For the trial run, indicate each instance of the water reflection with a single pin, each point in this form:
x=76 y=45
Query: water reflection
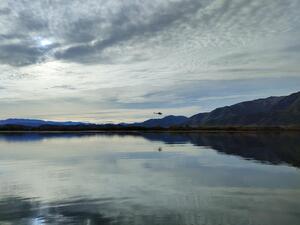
x=273 y=148
x=27 y=211
x=150 y=178
x=17 y=211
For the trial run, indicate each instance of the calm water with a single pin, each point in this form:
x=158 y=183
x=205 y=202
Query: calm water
x=137 y=179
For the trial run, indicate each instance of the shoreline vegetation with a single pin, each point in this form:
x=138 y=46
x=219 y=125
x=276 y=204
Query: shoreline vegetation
x=115 y=128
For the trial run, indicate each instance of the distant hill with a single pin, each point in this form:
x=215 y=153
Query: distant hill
x=266 y=112
x=36 y=123
x=167 y=121
x=272 y=111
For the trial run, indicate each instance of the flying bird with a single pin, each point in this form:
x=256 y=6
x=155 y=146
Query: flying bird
x=158 y=113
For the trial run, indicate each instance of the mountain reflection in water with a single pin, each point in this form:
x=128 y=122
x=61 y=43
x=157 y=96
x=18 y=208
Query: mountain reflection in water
x=150 y=178
x=273 y=148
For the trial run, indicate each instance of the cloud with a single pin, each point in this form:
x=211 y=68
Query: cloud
x=83 y=31
x=100 y=54
x=19 y=54
x=4 y=11
x=65 y=87
x=128 y=24
x=208 y=94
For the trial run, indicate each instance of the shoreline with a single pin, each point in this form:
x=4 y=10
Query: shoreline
x=145 y=130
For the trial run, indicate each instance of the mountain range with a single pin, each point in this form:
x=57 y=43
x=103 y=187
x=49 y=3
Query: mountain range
x=37 y=123
x=163 y=122
x=271 y=111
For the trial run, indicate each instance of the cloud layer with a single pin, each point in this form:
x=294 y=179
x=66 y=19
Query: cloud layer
x=136 y=55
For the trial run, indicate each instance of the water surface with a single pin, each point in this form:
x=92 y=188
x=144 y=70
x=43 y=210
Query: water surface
x=150 y=178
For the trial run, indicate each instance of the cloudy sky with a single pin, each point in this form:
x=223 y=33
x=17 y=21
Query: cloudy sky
x=113 y=60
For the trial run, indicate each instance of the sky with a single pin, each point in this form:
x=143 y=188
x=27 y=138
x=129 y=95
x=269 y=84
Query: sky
x=120 y=61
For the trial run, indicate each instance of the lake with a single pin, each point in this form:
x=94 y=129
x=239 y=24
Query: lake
x=150 y=178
